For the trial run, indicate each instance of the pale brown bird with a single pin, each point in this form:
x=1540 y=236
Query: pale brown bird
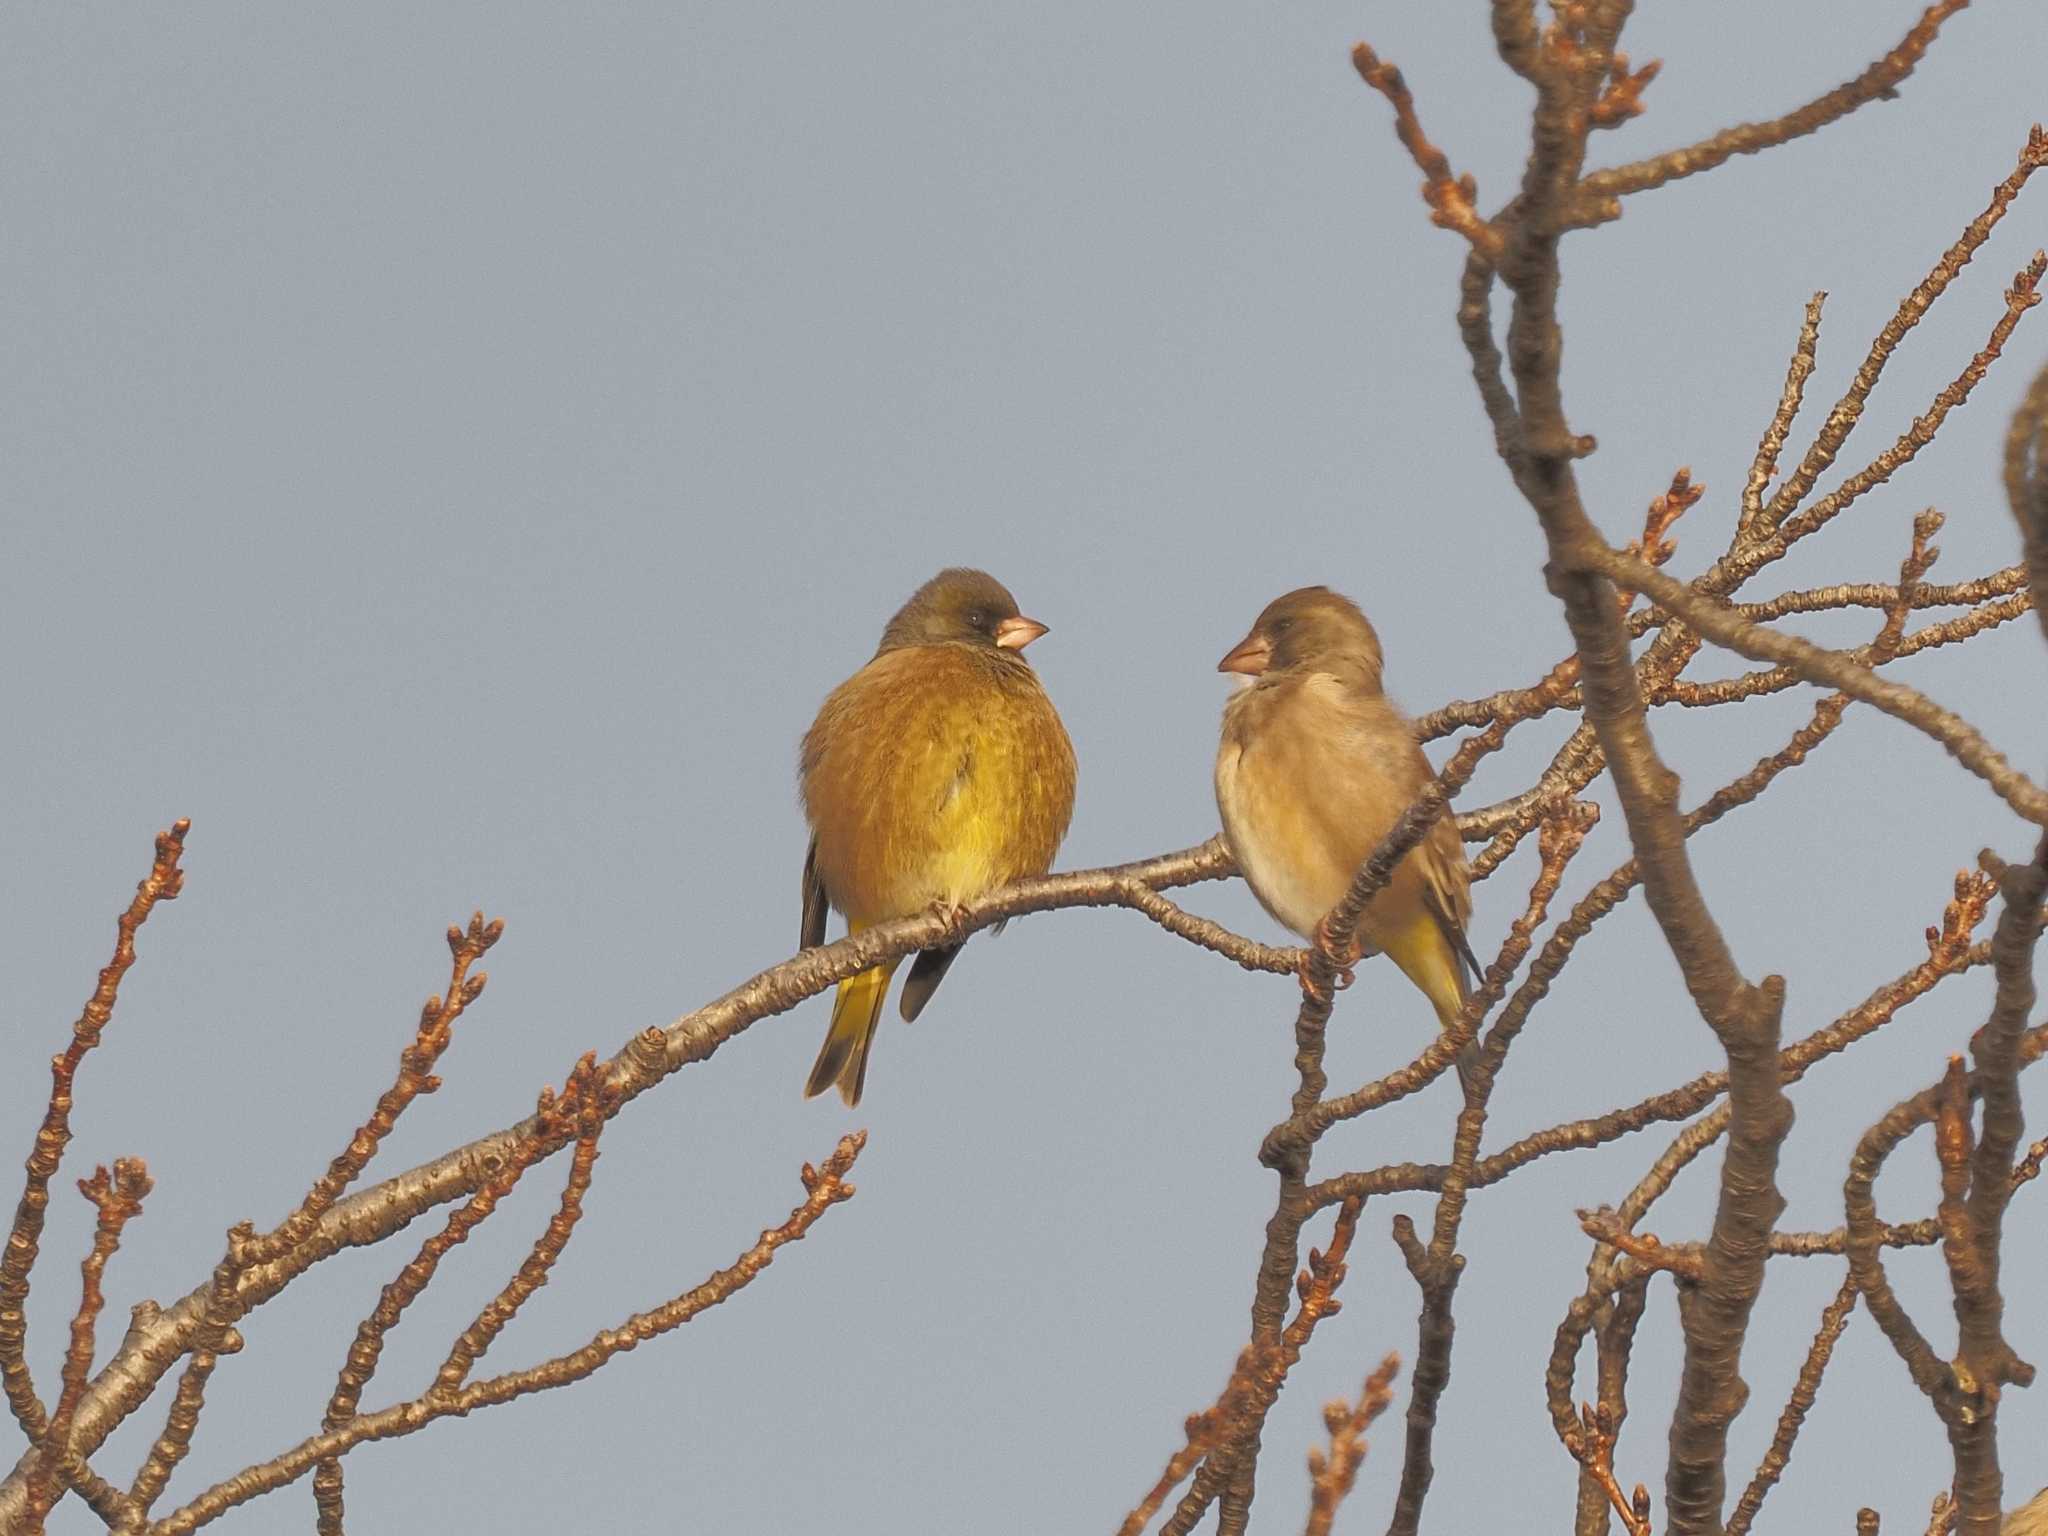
x=1315 y=767
x=2030 y=1519
x=934 y=774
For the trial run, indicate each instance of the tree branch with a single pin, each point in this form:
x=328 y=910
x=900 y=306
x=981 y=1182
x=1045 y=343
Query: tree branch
x=1725 y=627
x=1600 y=193
x=163 y=882
x=823 y=1188
x=118 y=1199
x=158 y=1340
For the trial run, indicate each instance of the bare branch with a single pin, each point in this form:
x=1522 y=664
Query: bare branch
x=1531 y=703
x=1436 y=1271
x=1224 y=1430
x=224 y=1305
x=589 y=1105
x=1797 y=372
x=1833 y=1319
x=1582 y=83
x=1687 y=1262
x=1452 y=199
x=1949 y=953
x=1756 y=685
x=1975 y=1191
x=1745 y=1018
x=823 y=1188
x=370 y=1215
x=2022 y=296
x=1563 y=836
x=557 y=1118
x=1603 y=189
x=1964 y=1394
x=1332 y=1474
x=118 y=1199
x=1614 y=1332
x=416 y=1064
x=163 y=882
x=1435 y=1329
x=1593 y=1447
x=1721 y=625
x=1200 y=1432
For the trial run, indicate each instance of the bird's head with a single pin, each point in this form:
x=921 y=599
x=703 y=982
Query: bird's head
x=962 y=607
x=1311 y=626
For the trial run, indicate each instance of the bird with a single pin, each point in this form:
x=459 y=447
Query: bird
x=2030 y=1519
x=936 y=773
x=1314 y=767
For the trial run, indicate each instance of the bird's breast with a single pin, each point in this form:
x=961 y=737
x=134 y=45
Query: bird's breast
x=934 y=779
x=1273 y=833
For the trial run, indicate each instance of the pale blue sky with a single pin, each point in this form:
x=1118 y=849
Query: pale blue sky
x=450 y=451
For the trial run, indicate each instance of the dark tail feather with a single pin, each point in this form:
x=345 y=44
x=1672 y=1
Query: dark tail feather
x=1468 y=1065
x=926 y=972
x=1467 y=968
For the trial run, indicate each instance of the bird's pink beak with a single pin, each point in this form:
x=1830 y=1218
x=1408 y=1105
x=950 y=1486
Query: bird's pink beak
x=1253 y=655
x=1014 y=634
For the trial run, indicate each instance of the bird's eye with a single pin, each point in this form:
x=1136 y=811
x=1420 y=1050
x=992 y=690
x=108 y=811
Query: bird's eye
x=1280 y=625
x=979 y=618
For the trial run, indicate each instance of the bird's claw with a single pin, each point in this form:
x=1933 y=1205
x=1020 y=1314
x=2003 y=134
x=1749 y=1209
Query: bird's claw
x=1343 y=978
x=952 y=913
x=1326 y=945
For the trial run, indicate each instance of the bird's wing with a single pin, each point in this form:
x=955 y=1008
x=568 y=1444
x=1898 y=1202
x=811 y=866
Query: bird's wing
x=1380 y=750
x=1447 y=889
x=814 y=901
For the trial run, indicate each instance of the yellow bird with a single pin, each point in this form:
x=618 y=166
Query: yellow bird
x=1315 y=767
x=934 y=774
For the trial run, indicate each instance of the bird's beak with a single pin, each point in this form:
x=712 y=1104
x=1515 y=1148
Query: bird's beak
x=1253 y=655
x=1014 y=634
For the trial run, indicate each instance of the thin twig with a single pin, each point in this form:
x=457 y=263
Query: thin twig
x=824 y=1188
x=369 y=1215
x=1256 y=1378
x=1805 y=1389
x=1599 y=193
x=118 y=1200
x=225 y=1305
x=416 y=1063
x=589 y=1106
x=163 y=882
x=2022 y=296
x=1686 y=1262
x=1593 y=1447
x=1723 y=626
x=557 y=1117
x=1436 y=1270
x=1797 y=372
x=1332 y=1474
x=1950 y=953
x=1453 y=199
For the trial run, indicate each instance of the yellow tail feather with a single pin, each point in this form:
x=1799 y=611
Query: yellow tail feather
x=1427 y=959
x=843 y=1058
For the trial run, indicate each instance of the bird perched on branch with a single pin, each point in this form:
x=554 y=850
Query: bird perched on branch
x=1314 y=769
x=934 y=774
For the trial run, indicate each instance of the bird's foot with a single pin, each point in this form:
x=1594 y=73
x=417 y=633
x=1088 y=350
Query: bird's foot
x=952 y=913
x=1328 y=946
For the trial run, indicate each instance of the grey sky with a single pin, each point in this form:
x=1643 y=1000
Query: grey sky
x=451 y=450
